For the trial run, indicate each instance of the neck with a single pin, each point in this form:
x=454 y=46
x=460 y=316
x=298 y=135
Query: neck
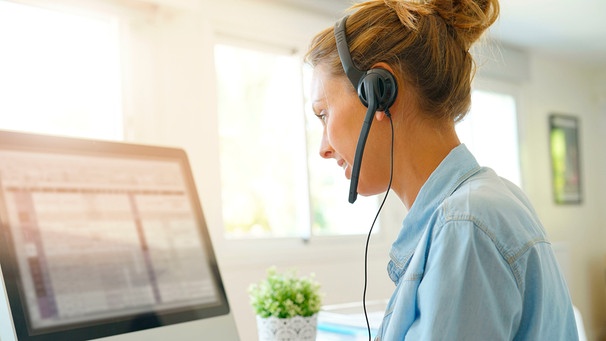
x=419 y=151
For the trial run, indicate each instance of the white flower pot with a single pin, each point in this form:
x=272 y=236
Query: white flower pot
x=297 y=328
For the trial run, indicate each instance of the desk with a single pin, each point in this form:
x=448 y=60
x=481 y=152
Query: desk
x=346 y=322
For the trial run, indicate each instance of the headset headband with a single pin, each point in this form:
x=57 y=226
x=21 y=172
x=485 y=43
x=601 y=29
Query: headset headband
x=353 y=73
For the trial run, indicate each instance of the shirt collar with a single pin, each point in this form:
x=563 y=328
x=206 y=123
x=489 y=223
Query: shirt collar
x=456 y=167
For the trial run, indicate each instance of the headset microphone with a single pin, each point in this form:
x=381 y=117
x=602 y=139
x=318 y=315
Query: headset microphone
x=377 y=89
x=355 y=172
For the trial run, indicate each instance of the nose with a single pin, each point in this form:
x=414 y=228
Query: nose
x=326 y=150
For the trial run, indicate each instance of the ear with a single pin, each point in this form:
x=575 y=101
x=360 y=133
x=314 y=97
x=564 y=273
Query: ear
x=383 y=65
x=380 y=115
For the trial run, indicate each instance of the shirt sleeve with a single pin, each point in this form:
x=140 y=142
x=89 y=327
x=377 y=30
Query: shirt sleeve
x=468 y=291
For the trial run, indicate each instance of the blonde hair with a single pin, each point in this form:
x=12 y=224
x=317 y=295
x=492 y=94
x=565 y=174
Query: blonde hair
x=426 y=43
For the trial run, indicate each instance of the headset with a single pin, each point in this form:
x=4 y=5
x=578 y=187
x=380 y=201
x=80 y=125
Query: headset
x=377 y=89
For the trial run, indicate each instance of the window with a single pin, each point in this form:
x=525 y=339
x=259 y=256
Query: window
x=60 y=73
x=265 y=157
x=260 y=115
x=490 y=132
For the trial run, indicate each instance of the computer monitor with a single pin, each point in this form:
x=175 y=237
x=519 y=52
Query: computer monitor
x=100 y=239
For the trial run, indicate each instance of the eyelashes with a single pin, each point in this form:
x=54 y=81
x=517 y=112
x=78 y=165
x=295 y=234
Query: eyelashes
x=322 y=117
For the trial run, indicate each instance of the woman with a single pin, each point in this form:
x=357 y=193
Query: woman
x=472 y=261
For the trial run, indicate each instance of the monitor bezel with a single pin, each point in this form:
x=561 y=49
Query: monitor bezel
x=27 y=142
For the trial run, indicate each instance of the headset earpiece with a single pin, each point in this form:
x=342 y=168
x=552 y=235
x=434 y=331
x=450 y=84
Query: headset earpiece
x=384 y=88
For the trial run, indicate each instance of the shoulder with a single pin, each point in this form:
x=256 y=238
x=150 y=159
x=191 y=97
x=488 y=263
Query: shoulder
x=495 y=207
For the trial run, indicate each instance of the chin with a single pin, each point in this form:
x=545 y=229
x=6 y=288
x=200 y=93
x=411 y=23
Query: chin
x=367 y=192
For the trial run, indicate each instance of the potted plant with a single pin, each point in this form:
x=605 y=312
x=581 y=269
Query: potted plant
x=286 y=306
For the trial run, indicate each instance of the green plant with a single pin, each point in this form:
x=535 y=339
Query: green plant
x=285 y=295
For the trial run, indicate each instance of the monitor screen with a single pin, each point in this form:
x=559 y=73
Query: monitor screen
x=101 y=238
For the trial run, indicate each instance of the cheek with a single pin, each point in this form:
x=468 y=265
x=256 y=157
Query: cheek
x=343 y=138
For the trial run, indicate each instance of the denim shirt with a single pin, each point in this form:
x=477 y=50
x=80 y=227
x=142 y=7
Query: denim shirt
x=472 y=262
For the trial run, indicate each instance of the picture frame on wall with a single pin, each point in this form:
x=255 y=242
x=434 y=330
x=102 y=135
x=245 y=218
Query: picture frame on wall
x=565 y=158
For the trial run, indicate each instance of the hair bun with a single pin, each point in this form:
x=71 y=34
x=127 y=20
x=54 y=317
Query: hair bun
x=470 y=18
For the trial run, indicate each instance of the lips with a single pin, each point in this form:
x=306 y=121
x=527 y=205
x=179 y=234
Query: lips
x=343 y=165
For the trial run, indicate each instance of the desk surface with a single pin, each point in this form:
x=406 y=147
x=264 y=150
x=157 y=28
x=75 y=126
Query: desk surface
x=346 y=322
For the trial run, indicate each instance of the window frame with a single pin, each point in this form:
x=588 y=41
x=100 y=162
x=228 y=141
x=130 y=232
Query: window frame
x=290 y=244
x=315 y=248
